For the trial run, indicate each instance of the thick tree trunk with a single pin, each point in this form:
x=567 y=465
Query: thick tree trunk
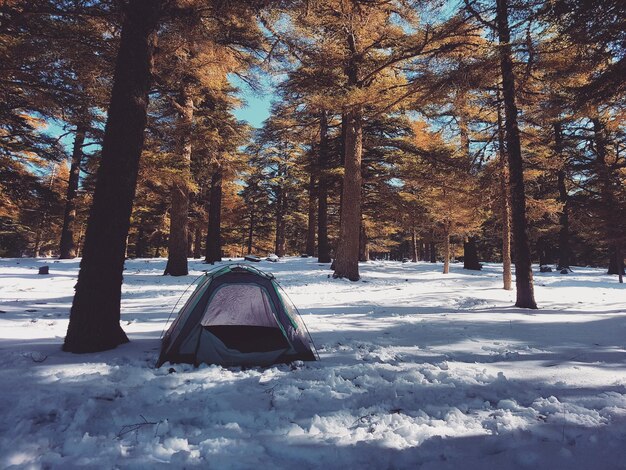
x=505 y=210
x=470 y=255
x=67 y=248
x=179 y=211
x=523 y=267
x=214 y=233
x=323 y=247
x=279 y=246
x=95 y=315
x=347 y=260
x=446 y=249
x=609 y=207
x=364 y=251
x=177 y=241
x=312 y=217
x=545 y=251
x=342 y=156
x=564 y=248
x=197 y=241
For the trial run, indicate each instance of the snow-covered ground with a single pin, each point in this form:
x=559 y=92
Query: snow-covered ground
x=418 y=370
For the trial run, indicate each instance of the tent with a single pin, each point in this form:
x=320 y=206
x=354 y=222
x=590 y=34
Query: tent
x=237 y=316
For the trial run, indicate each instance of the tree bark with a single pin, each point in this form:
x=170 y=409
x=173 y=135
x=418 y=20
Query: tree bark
x=564 y=248
x=347 y=260
x=342 y=163
x=279 y=247
x=323 y=247
x=140 y=243
x=446 y=248
x=190 y=242
x=197 y=241
x=609 y=207
x=470 y=255
x=95 y=315
x=179 y=211
x=251 y=228
x=523 y=267
x=67 y=247
x=38 y=232
x=432 y=248
x=312 y=216
x=214 y=233
x=158 y=239
x=505 y=209
x=414 y=246
x=364 y=251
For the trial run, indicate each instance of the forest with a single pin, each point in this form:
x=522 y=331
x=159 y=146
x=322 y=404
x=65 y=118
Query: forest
x=475 y=130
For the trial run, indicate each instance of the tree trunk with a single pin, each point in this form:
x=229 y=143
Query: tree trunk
x=67 y=246
x=190 y=242
x=609 y=207
x=79 y=242
x=446 y=249
x=323 y=247
x=342 y=157
x=432 y=247
x=158 y=239
x=214 y=233
x=95 y=315
x=38 y=232
x=564 y=248
x=470 y=255
x=251 y=232
x=197 y=241
x=281 y=200
x=414 y=246
x=505 y=210
x=364 y=251
x=347 y=260
x=179 y=212
x=177 y=241
x=523 y=267
x=140 y=243
x=312 y=217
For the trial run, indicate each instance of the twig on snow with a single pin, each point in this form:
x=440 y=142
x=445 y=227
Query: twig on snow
x=135 y=427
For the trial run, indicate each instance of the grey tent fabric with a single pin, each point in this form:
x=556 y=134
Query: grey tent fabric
x=237 y=316
x=240 y=304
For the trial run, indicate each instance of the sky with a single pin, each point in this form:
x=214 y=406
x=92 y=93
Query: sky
x=257 y=104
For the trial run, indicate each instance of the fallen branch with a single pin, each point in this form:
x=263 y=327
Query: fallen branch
x=134 y=427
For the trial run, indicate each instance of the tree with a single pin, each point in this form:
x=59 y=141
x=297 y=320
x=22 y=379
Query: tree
x=95 y=314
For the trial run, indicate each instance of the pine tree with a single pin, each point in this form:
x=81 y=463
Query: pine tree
x=95 y=315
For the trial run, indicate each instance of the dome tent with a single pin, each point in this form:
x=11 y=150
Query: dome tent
x=237 y=316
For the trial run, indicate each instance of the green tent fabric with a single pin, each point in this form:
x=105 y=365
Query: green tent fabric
x=237 y=316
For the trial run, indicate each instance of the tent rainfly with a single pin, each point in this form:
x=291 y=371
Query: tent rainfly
x=237 y=316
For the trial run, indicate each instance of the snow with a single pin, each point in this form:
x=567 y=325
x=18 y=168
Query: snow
x=418 y=370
